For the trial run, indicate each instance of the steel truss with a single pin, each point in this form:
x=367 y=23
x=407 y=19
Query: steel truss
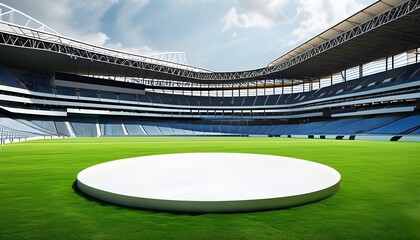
x=192 y=86
x=30 y=38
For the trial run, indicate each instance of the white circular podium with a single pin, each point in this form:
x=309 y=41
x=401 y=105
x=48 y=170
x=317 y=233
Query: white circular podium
x=209 y=182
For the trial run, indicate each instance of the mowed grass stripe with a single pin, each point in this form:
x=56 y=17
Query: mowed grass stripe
x=379 y=196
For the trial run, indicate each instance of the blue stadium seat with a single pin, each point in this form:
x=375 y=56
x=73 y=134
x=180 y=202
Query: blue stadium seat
x=151 y=130
x=111 y=128
x=399 y=126
x=84 y=127
x=134 y=128
x=365 y=125
x=7 y=80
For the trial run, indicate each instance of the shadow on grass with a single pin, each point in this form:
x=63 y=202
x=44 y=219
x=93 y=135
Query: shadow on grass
x=84 y=195
x=122 y=207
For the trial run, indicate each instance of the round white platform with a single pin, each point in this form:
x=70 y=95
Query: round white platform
x=209 y=182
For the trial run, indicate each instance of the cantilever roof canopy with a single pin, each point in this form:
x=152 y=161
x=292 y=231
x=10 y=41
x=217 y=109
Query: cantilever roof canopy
x=385 y=28
x=395 y=37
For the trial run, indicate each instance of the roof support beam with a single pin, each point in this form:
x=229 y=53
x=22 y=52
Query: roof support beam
x=33 y=39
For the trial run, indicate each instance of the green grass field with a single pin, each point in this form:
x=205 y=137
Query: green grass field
x=379 y=196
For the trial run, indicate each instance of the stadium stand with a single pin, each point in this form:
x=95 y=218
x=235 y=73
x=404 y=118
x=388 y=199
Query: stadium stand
x=84 y=127
x=87 y=127
x=134 y=128
x=128 y=97
x=111 y=128
x=151 y=129
x=7 y=80
x=62 y=128
x=400 y=126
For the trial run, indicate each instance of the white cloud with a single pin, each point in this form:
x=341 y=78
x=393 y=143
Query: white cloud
x=127 y=28
x=99 y=38
x=66 y=16
x=78 y=19
x=252 y=19
x=315 y=16
x=129 y=9
x=261 y=13
x=272 y=9
x=142 y=50
x=81 y=19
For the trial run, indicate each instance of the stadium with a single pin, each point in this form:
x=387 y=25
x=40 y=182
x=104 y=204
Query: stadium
x=348 y=98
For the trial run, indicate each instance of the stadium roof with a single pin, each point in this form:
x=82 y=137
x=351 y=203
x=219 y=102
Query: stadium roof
x=395 y=37
x=385 y=28
x=347 y=24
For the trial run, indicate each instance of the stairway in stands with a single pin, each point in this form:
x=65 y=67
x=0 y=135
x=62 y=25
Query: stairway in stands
x=408 y=131
x=34 y=126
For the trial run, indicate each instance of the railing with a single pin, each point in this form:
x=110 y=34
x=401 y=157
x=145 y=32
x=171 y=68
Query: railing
x=31 y=38
x=9 y=135
x=76 y=46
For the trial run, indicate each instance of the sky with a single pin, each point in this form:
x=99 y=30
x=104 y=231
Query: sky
x=219 y=35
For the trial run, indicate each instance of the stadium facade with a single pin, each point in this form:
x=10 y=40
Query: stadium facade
x=359 y=79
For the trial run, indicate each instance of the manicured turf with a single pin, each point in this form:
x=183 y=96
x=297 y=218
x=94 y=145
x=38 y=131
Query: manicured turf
x=379 y=196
